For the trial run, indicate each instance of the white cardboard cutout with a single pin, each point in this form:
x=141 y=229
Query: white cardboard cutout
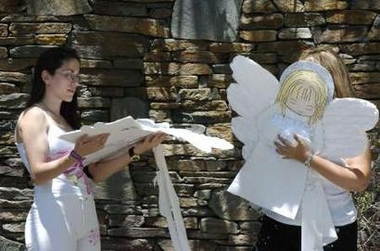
x=283 y=185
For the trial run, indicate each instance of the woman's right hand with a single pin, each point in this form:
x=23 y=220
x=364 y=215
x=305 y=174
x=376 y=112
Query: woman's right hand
x=149 y=142
x=86 y=145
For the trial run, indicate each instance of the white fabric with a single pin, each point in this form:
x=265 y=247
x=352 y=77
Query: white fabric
x=283 y=186
x=169 y=203
x=317 y=227
x=168 y=200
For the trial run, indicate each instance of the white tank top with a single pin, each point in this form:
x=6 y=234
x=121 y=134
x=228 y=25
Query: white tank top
x=72 y=181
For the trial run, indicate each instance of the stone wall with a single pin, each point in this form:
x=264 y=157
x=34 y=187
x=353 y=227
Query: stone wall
x=133 y=64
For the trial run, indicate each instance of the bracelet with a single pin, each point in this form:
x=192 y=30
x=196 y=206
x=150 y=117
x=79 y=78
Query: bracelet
x=308 y=160
x=77 y=157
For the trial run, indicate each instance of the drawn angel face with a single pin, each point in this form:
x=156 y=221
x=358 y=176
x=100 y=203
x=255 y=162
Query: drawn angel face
x=302 y=101
x=304 y=93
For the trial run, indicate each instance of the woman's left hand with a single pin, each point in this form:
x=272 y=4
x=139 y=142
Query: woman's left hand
x=299 y=150
x=149 y=142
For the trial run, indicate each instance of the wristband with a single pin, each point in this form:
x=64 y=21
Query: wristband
x=308 y=160
x=77 y=157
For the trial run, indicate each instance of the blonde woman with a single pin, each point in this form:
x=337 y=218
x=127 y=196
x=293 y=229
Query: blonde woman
x=339 y=177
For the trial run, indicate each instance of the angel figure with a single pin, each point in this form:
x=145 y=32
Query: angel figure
x=304 y=151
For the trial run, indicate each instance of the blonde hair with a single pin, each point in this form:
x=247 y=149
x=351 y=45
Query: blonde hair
x=298 y=81
x=335 y=65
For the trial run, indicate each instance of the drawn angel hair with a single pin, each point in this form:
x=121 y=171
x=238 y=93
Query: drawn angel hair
x=305 y=98
x=301 y=103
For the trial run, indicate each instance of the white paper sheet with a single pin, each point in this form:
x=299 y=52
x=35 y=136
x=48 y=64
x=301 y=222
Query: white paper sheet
x=127 y=131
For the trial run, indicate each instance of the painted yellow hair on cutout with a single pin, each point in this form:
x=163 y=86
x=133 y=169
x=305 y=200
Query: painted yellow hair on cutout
x=299 y=80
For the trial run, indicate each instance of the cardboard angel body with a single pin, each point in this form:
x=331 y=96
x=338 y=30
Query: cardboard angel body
x=300 y=103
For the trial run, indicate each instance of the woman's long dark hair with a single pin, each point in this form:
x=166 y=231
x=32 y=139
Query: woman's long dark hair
x=50 y=60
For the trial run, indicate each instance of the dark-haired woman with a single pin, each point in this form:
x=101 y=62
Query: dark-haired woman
x=63 y=215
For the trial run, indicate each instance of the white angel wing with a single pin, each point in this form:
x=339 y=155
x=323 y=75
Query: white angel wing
x=254 y=91
x=345 y=122
x=245 y=129
x=256 y=87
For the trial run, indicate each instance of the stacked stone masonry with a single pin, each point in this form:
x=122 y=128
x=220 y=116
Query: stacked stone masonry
x=132 y=64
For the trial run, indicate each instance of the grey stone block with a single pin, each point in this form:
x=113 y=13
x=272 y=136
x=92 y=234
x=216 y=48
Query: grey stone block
x=215 y=20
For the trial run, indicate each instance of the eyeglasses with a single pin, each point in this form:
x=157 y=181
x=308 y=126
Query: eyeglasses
x=70 y=76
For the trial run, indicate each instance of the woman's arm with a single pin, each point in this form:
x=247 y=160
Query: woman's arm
x=33 y=127
x=100 y=171
x=353 y=177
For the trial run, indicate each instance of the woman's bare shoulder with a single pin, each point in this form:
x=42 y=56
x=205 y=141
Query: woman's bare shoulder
x=32 y=117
